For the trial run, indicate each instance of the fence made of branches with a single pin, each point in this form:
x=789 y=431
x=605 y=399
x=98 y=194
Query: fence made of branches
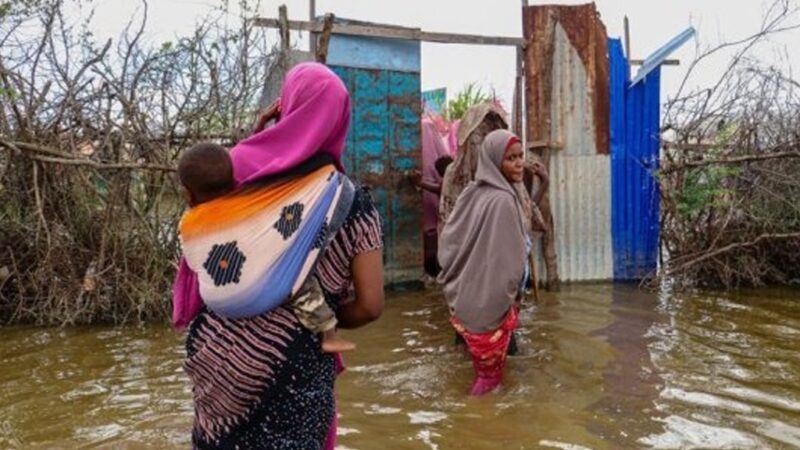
x=89 y=135
x=729 y=186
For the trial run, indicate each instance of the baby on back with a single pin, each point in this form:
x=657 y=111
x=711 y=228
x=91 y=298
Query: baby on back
x=206 y=174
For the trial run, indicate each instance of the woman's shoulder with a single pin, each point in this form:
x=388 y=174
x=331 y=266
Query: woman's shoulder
x=363 y=227
x=363 y=204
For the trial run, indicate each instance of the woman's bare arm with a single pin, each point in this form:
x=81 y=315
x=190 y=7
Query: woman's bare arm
x=367 y=271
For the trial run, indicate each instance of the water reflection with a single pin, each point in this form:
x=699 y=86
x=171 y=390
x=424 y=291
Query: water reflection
x=627 y=412
x=600 y=366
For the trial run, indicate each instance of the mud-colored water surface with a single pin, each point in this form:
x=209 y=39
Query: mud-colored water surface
x=600 y=366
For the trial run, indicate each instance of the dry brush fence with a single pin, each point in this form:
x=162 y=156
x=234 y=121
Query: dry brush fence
x=89 y=135
x=729 y=180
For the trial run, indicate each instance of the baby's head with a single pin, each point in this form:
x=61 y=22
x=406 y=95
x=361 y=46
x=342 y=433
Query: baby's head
x=206 y=172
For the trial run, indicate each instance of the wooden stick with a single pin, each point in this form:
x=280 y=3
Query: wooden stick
x=312 y=17
x=534 y=276
x=283 y=27
x=57 y=157
x=666 y=62
x=731 y=160
x=626 y=24
x=324 y=39
x=413 y=34
x=731 y=247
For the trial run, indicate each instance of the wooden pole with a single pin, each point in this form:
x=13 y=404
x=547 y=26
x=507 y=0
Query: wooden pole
x=522 y=82
x=521 y=111
x=324 y=39
x=312 y=16
x=413 y=34
x=283 y=27
x=628 y=44
x=517 y=105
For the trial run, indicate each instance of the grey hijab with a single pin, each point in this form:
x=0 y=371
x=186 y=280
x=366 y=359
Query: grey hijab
x=482 y=245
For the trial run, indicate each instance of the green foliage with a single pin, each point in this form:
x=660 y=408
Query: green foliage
x=469 y=96
x=704 y=188
x=18 y=8
x=8 y=92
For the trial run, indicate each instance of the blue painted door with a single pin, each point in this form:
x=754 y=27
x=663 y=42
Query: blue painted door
x=382 y=146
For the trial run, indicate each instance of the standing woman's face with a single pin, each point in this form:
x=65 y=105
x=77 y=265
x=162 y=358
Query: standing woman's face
x=513 y=168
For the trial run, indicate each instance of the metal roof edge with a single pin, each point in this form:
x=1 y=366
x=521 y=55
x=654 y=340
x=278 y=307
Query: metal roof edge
x=657 y=57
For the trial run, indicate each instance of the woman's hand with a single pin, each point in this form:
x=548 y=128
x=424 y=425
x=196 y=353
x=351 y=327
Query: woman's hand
x=273 y=112
x=540 y=171
x=415 y=177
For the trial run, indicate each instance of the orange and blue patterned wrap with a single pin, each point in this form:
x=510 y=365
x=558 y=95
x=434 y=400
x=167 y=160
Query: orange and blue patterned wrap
x=253 y=249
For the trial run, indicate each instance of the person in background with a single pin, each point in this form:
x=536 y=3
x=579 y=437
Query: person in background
x=483 y=252
x=478 y=121
x=262 y=381
x=434 y=157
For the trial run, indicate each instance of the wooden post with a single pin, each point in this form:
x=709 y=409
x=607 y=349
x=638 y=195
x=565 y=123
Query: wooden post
x=517 y=105
x=312 y=16
x=523 y=110
x=413 y=34
x=521 y=124
x=324 y=39
x=548 y=239
x=628 y=45
x=283 y=27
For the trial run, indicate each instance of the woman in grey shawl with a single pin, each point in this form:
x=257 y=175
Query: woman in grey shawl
x=483 y=252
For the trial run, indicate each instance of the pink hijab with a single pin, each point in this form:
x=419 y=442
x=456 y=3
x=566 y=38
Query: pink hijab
x=315 y=117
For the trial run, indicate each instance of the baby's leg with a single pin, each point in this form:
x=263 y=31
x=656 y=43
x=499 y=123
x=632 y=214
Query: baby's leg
x=314 y=313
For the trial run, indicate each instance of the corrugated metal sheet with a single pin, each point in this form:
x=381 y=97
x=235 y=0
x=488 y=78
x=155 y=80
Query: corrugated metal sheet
x=635 y=123
x=580 y=189
x=580 y=192
x=567 y=99
x=572 y=106
x=383 y=144
x=579 y=26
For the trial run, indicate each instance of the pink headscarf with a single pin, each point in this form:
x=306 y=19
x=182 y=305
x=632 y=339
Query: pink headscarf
x=315 y=117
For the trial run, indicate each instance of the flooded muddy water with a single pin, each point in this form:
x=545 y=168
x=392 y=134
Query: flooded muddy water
x=600 y=366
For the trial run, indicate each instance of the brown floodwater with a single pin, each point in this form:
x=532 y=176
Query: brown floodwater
x=600 y=367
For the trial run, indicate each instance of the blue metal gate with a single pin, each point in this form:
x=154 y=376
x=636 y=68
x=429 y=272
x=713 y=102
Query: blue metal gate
x=635 y=122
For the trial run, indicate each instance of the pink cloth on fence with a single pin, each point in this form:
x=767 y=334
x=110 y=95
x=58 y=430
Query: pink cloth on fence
x=433 y=148
x=452 y=138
